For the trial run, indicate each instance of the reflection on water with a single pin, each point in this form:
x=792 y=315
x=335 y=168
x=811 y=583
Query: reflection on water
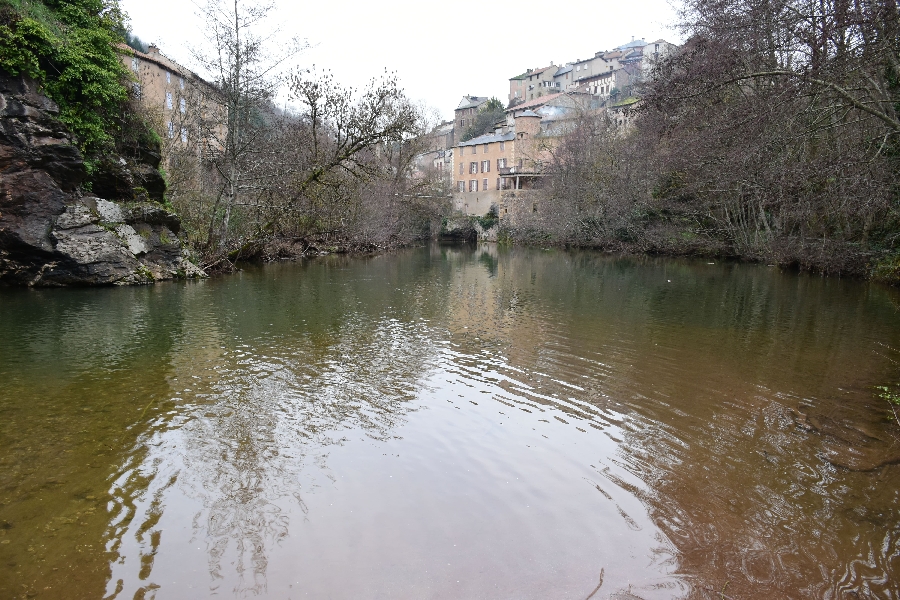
x=452 y=423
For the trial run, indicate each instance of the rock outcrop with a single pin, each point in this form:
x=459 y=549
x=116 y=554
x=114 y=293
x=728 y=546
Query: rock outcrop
x=52 y=233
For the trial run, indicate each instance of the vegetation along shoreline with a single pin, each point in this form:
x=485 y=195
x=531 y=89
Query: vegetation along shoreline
x=770 y=135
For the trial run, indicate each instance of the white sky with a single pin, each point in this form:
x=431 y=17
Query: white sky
x=440 y=50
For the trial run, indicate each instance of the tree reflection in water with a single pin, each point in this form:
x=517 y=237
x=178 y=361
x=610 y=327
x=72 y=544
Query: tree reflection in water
x=272 y=413
x=682 y=426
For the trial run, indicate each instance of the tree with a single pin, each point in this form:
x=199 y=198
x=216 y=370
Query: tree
x=489 y=114
x=69 y=48
x=247 y=74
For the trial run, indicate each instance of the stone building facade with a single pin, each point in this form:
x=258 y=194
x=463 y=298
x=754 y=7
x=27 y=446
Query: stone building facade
x=178 y=99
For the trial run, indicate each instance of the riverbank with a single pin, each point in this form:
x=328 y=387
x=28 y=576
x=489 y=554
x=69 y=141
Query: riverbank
x=666 y=240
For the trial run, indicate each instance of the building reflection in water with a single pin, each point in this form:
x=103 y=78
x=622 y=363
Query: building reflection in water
x=442 y=422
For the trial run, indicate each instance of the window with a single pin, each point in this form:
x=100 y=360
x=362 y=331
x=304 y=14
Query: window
x=460 y=151
x=501 y=163
x=181 y=82
x=461 y=167
x=520 y=163
x=485 y=149
x=134 y=65
x=485 y=186
x=473 y=167
x=171 y=129
x=474 y=149
x=169 y=100
x=485 y=166
x=499 y=184
x=440 y=166
x=502 y=145
x=184 y=135
x=182 y=105
x=168 y=77
x=473 y=185
x=136 y=88
x=578 y=68
x=461 y=186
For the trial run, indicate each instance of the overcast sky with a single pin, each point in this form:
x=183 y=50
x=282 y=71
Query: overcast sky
x=440 y=50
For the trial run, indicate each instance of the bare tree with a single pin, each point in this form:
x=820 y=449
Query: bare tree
x=247 y=73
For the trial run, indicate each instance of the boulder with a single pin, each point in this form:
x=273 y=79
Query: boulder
x=51 y=233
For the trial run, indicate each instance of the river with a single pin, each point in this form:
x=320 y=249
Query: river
x=453 y=422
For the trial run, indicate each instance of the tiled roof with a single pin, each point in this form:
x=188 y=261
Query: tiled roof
x=588 y=78
x=534 y=103
x=490 y=137
x=533 y=72
x=163 y=61
x=632 y=44
x=563 y=70
x=471 y=102
x=529 y=113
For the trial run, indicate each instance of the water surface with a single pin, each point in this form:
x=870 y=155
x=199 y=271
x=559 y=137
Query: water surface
x=453 y=422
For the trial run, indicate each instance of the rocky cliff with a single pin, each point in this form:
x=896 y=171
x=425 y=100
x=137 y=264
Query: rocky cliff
x=51 y=232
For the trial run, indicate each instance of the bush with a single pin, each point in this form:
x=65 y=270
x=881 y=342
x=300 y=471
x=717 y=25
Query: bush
x=68 y=47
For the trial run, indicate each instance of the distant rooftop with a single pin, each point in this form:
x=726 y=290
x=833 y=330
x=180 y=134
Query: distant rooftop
x=534 y=103
x=632 y=44
x=490 y=137
x=471 y=102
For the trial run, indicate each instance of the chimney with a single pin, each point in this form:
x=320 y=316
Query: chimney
x=152 y=49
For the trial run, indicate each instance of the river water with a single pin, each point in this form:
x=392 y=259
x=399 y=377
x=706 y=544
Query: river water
x=453 y=422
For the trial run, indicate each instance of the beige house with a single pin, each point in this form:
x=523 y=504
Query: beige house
x=171 y=92
x=507 y=159
x=533 y=83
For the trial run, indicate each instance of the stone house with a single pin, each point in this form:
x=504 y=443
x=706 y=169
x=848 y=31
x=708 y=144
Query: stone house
x=564 y=77
x=465 y=113
x=436 y=156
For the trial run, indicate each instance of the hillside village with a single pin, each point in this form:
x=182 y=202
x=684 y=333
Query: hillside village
x=542 y=105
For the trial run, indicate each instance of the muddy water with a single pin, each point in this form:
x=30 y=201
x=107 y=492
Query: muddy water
x=453 y=423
